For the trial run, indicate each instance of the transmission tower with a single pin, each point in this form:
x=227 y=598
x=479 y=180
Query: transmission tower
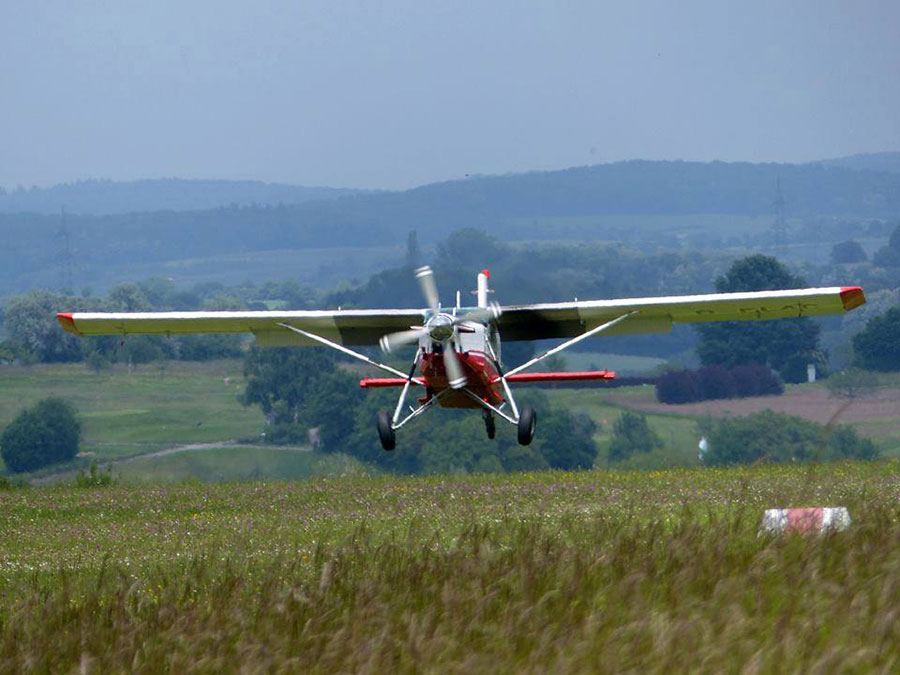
x=779 y=227
x=64 y=255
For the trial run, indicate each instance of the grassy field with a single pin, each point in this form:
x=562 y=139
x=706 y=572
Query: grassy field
x=160 y=406
x=236 y=463
x=124 y=413
x=594 y=571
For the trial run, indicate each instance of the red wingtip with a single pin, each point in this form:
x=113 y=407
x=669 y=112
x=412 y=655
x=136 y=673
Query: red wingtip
x=67 y=322
x=852 y=297
x=486 y=273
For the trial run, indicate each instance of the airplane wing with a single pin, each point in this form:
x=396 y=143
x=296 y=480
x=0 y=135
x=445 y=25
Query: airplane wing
x=517 y=322
x=656 y=315
x=345 y=327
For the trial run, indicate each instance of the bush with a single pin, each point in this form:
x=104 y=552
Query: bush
x=678 y=386
x=95 y=477
x=12 y=483
x=632 y=434
x=775 y=437
x=716 y=382
x=42 y=435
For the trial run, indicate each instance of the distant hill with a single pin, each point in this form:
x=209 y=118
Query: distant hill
x=611 y=202
x=872 y=161
x=105 y=197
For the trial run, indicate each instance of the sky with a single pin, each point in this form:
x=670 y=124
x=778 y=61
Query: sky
x=396 y=93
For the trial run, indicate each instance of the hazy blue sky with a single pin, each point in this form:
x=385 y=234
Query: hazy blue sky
x=394 y=94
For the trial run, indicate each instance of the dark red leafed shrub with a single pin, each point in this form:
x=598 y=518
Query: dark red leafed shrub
x=716 y=382
x=679 y=386
x=756 y=380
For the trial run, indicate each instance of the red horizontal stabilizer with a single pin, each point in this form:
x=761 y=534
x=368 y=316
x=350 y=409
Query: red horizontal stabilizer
x=378 y=382
x=562 y=377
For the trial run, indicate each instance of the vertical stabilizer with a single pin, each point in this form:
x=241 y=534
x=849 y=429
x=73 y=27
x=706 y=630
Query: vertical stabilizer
x=483 y=291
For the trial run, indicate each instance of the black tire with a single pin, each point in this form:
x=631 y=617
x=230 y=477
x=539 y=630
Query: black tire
x=385 y=430
x=527 y=422
x=491 y=427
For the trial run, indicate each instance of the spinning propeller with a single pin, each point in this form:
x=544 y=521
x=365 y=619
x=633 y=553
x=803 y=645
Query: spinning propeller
x=441 y=328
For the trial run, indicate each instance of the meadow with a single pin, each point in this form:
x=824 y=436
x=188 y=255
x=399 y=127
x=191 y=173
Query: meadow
x=127 y=414
x=150 y=407
x=593 y=571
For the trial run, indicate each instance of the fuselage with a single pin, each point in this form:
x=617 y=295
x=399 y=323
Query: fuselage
x=481 y=374
x=474 y=344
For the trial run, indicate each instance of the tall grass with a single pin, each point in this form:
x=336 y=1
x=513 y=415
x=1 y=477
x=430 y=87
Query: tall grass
x=606 y=572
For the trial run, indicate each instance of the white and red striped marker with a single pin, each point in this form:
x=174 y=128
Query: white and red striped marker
x=804 y=520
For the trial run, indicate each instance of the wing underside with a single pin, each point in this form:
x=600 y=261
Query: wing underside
x=346 y=327
x=657 y=315
x=517 y=322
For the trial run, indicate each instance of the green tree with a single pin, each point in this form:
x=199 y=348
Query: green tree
x=299 y=389
x=877 y=346
x=889 y=256
x=30 y=320
x=129 y=297
x=632 y=434
x=785 y=345
x=848 y=251
x=775 y=437
x=455 y=440
x=44 y=434
x=567 y=439
x=852 y=383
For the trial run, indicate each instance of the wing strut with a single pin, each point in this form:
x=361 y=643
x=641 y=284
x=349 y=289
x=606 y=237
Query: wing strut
x=568 y=343
x=349 y=352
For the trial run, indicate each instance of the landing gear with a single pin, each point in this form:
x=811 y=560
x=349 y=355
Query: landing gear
x=385 y=430
x=490 y=425
x=527 y=420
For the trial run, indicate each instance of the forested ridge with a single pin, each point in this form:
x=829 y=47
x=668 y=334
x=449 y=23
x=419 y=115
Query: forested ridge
x=509 y=207
x=104 y=197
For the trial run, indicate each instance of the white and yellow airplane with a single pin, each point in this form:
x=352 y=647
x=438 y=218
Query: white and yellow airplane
x=458 y=349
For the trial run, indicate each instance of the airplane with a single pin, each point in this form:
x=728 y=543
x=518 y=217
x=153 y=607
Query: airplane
x=458 y=349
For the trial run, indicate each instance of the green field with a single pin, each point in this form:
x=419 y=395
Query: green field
x=237 y=463
x=165 y=405
x=594 y=571
x=124 y=413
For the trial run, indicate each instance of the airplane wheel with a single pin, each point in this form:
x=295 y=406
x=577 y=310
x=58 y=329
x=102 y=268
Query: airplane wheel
x=527 y=420
x=490 y=426
x=385 y=430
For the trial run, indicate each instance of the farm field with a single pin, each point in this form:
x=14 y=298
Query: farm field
x=599 y=570
x=876 y=415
